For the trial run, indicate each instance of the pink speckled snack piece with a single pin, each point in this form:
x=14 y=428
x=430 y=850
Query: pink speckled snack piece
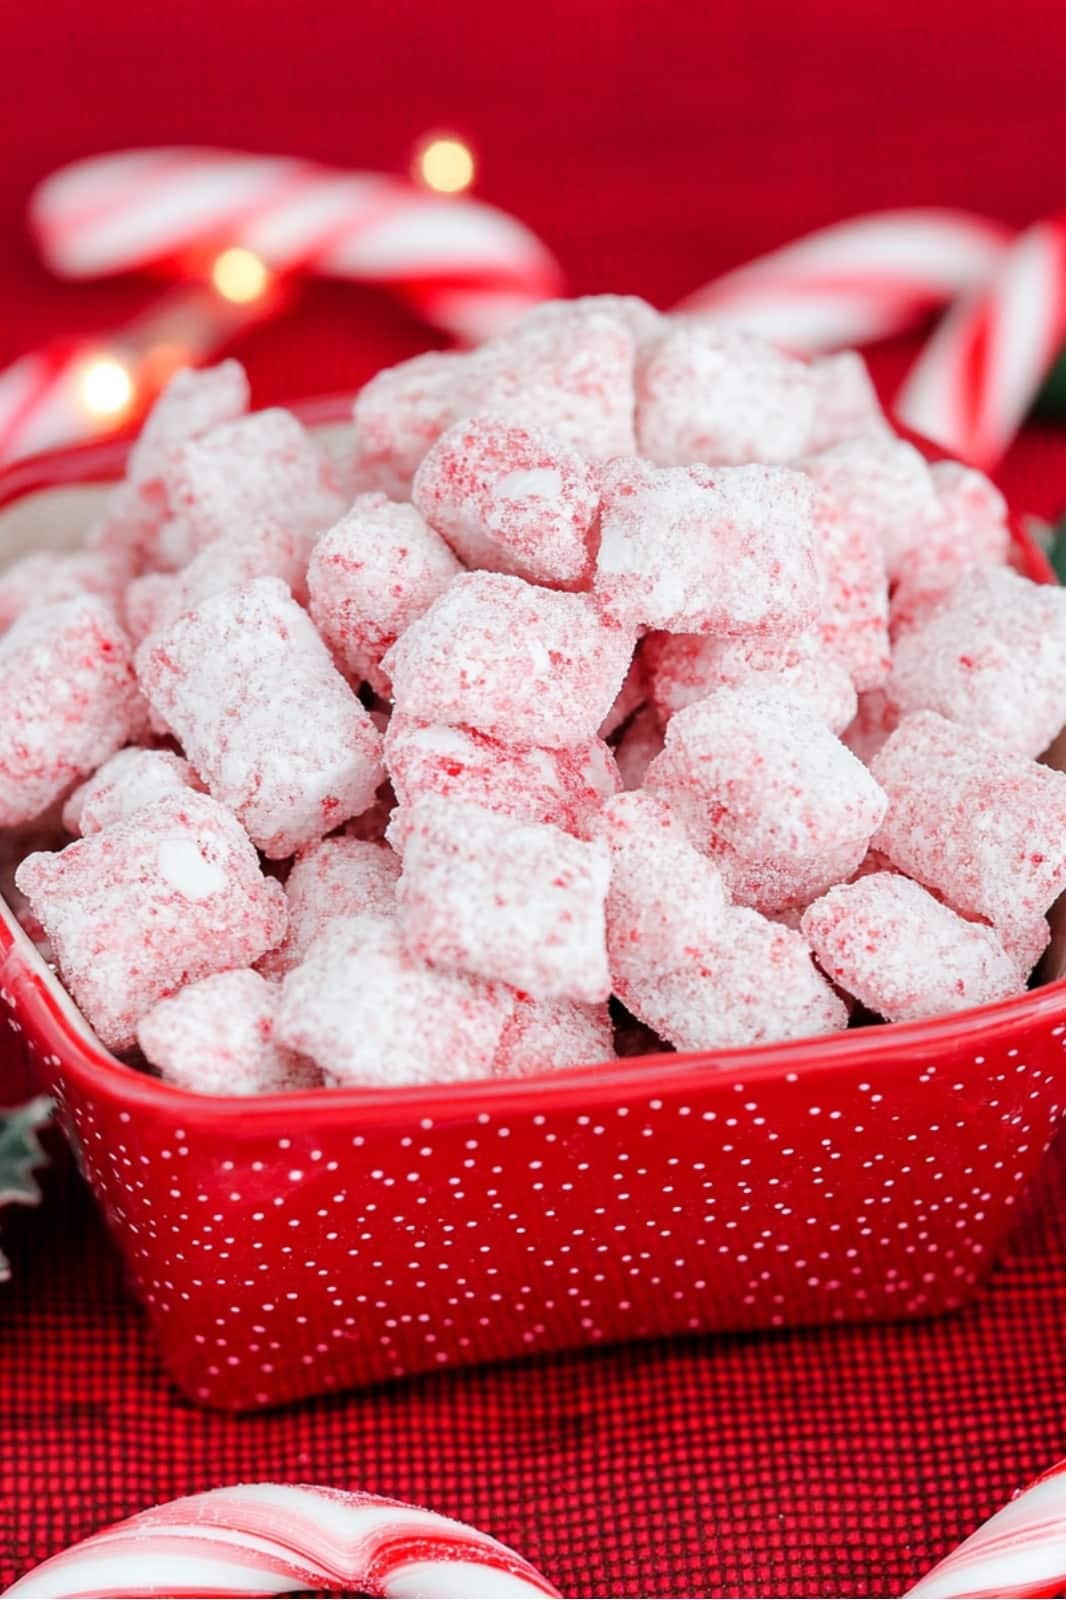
x=992 y=656
x=631 y=696
x=641 y=742
x=686 y=667
x=700 y=973
x=716 y=395
x=259 y=471
x=147 y=602
x=217 y=1037
x=369 y=1012
x=702 y=550
x=525 y=783
x=370 y=577
x=764 y=787
x=401 y=412
x=129 y=780
x=189 y=405
x=567 y=367
x=264 y=716
x=550 y=1035
x=845 y=401
x=517 y=902
x=340 y=877
x=139 y=910
x=981 y=826
x=874 y=720
x=510 y=499
x=523 y=664
x=882 y=485
x=903 y=954
x=68 y=701
x=45 y=578
x=966 y=528
x=157 y=599
x=853 y=621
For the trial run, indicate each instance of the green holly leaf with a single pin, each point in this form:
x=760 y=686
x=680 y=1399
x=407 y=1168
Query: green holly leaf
x=1051 y=401
x=20 y=1153
x=1057 y=549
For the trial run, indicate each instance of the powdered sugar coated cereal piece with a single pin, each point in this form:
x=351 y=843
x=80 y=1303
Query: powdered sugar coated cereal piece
x=401 y=412
x=68 y=701
x=370 y=576
x=518 y=902
x=147 y=602
x=845 y=401
x=874 y=720
x=991 y=656
x=631 y=696
x=157 y=599
x=701 y=973
x=685 y=667
x=160 y=900
x=566 y=366
x=854 y=617
x=44 y=578
x=261 y=470
x=369 y=1012
x=266 y=719
x=340 y=877
x=720 y=396
x=903 y=954
x=966 y=528
x=510 y=499
x=523 y=664
x=191 y=404
x=217 y=1037
x=641 y=742
x=551 y=1035
x=696 y=550
x=882 y=485
x=129 y=780
x=523 y=782
x=981 y=826
x=764 y=787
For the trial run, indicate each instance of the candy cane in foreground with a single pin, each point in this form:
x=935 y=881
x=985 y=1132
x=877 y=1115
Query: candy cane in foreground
x=1020 y=1552
x=276 y=1539
x=466 y=267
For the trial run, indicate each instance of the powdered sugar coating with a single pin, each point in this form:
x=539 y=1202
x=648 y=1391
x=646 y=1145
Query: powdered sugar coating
x=874 y=720
x=525 y=783
x=685 y=667
x=882 y=485
x=523 y=664
x=189 y=405
x=991 y=656
x=510 y=499
x=370 y=576
x=401 y=412
x=720 y=396
x=764 y=787
x=157 y=599
x=258 y=471
x=264 y=716
x=631 y=696
x=45 y=577
x=139 y=910
x=68 y=701
x=696 y=550
x=551 y=1035
x=966 y=528
x=700 y=973
x=518 y=902
x=339 y=877
x=845 y=401
x=889 y=943
x=129 y=780
x=369 y=1012
x=853 y=622
x=217 y=1037
x=983 y=827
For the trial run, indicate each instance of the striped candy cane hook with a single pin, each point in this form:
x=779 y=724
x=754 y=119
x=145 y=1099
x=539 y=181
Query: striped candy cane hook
x=1019 y=1554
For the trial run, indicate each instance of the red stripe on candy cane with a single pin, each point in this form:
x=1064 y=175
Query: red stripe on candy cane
x=1019 y=1554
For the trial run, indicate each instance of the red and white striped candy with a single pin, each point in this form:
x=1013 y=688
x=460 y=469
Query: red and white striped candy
x=975 y=380
x=276 y=1539
x=858 y=280
x=1020 y=1552
x=466 y=267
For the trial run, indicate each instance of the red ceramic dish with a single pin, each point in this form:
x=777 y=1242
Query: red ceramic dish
x=300 y=1243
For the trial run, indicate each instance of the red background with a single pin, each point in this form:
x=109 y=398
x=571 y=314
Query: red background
x=651 y=146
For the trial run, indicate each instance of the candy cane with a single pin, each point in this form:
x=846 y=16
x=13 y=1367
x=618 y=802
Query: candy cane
x=1021 y=1551
x=275 y=1539
x=975 y=380
x=857 y=281
x=466 y=267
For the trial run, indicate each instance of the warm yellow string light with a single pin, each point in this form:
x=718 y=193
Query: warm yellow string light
x=105 y=386
x=240 y=275
x=445 y=164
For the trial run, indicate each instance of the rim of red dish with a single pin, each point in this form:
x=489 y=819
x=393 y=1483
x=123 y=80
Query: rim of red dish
x=824 y=1054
